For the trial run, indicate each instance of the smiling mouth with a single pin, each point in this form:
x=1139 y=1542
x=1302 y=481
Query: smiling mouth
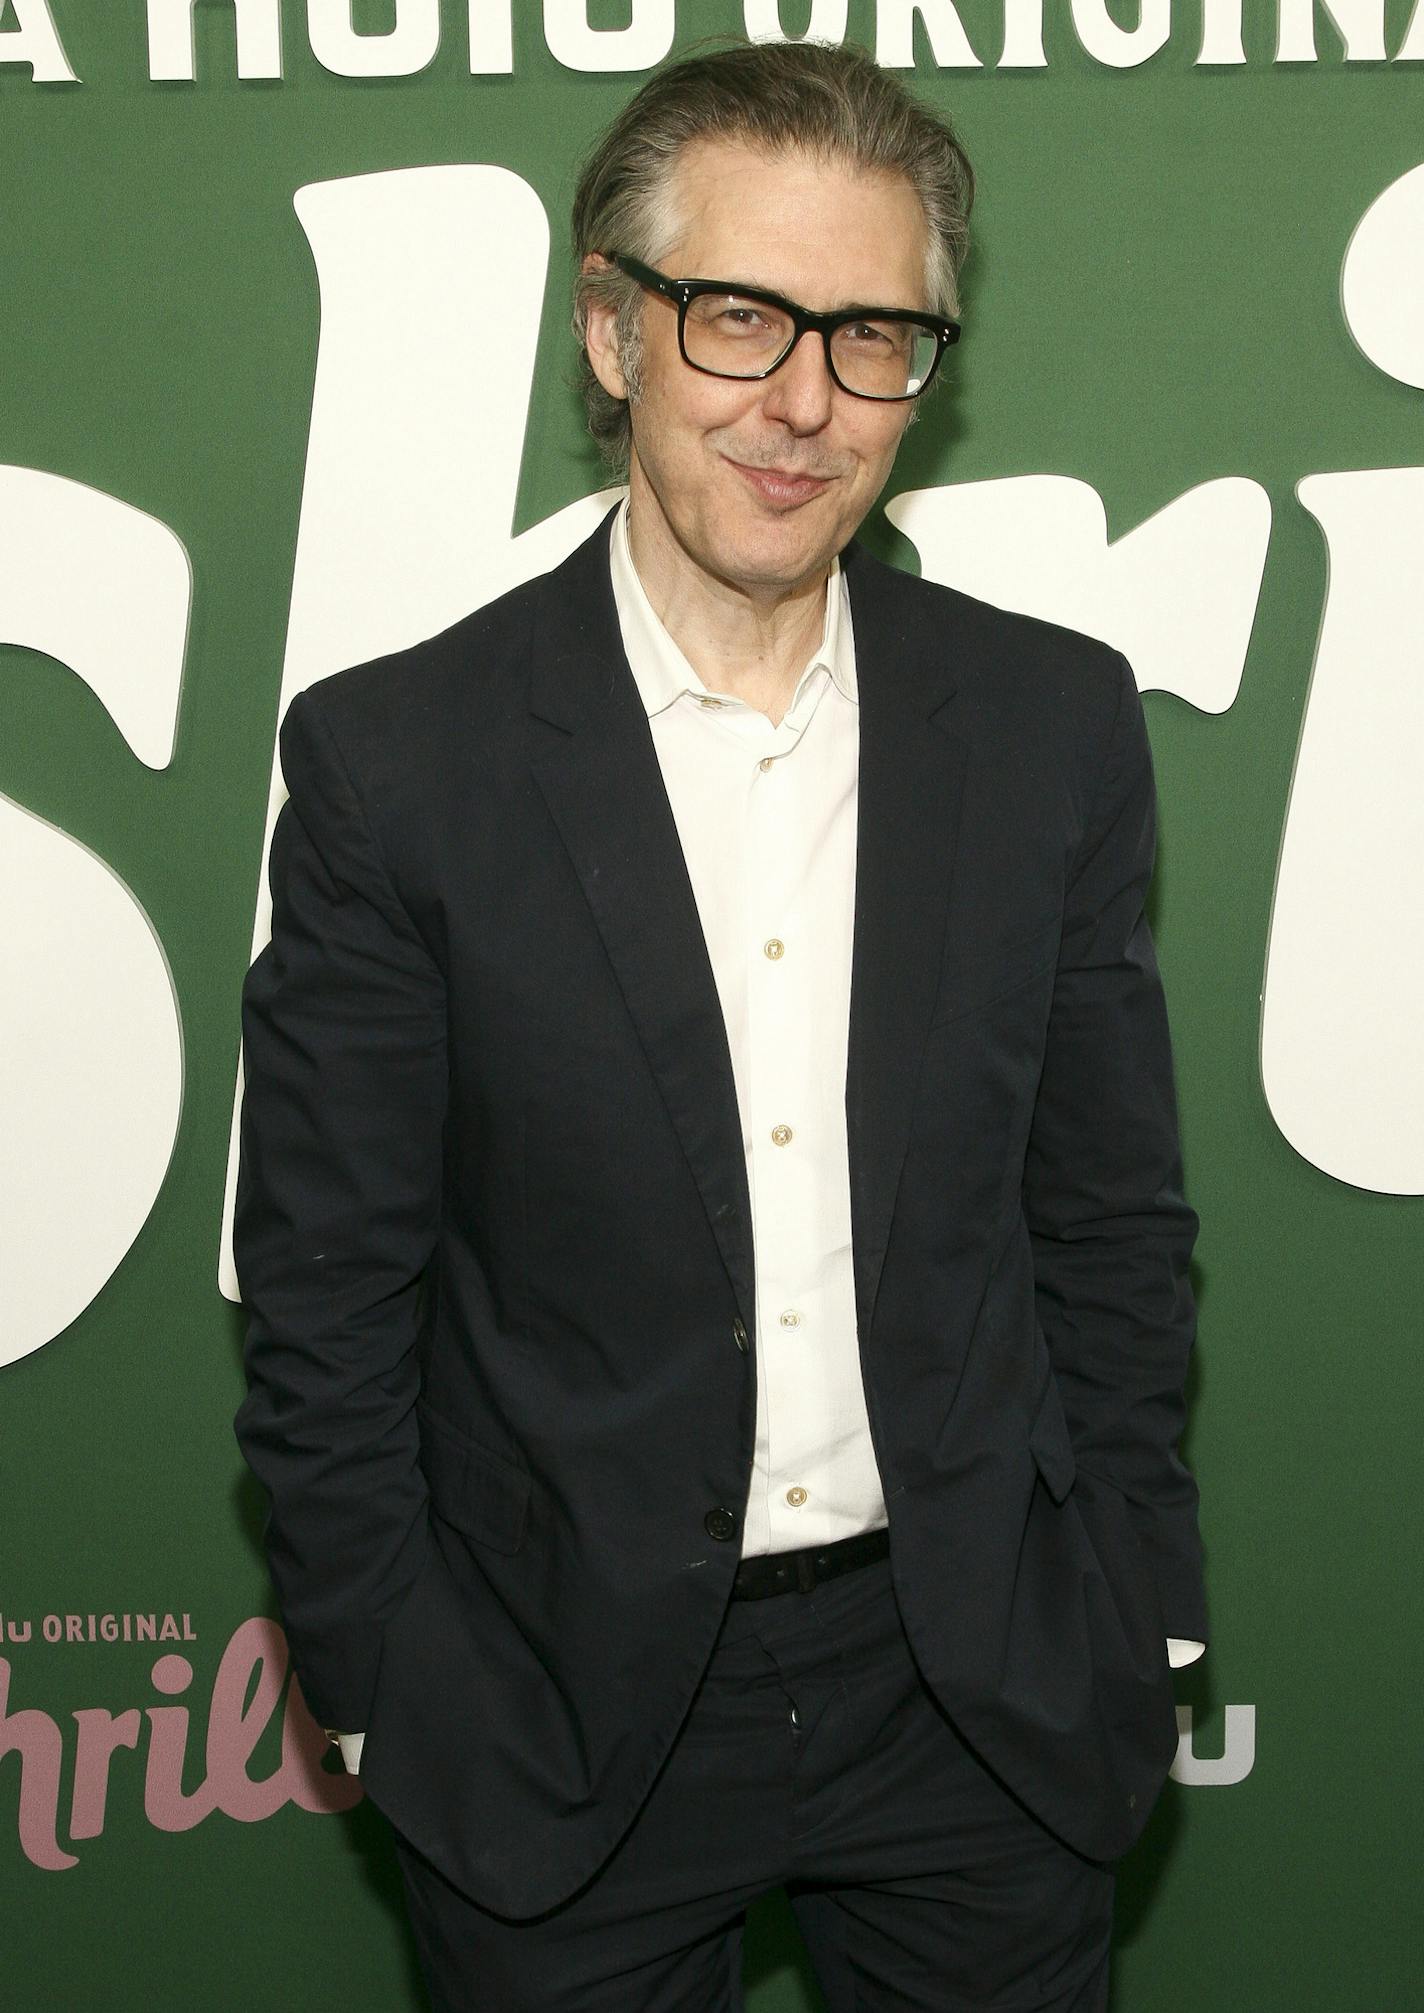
x=780 y=485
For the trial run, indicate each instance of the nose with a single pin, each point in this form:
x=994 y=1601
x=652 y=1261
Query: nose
x=801 y=391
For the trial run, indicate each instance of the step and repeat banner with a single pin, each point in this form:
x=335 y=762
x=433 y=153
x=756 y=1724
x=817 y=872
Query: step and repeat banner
x=285 y=382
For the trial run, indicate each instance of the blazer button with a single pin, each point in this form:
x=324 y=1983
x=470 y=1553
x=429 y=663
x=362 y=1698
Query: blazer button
x=720 y=1523
x=739 y=1335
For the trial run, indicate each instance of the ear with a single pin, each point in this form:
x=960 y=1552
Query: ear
x=601 y=336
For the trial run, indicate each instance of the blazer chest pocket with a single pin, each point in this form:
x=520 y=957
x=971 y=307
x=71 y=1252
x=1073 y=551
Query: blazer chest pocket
x=478 y=1491
x=970 y=983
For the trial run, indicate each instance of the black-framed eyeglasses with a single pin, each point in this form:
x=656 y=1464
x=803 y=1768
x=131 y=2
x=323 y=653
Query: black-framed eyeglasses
x=733 y=331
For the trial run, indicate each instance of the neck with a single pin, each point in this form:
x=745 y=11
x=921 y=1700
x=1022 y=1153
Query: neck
x=753 y=643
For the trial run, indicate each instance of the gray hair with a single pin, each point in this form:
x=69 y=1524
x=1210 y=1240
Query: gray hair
x=778 y=97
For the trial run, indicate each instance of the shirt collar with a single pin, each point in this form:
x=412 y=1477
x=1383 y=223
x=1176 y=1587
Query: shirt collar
x=660 y=669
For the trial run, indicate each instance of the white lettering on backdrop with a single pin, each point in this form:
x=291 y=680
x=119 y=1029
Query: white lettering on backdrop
x=1023 y=36
x=1238 y=1754
x=172 y=57
x=762 y=21
x=1221 y=40
x=1355 y=32
x=944 y=31
x=94 y=1085
x=1122 y=48
x=644 y=42
x=408 y=46
x=1359 y=23
x=1177 y=596
x=1341 y=1057
x=34 y=39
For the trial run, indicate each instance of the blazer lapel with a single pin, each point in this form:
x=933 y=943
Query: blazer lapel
x=913 y=762
x=595 y=763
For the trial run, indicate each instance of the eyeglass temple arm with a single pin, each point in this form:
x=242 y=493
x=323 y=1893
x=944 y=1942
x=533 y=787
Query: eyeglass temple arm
x=644 y=275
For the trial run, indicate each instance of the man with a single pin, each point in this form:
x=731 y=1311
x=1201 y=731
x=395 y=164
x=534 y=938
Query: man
x=710 y=1204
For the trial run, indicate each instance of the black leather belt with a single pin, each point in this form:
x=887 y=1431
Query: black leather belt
x=792 y=1572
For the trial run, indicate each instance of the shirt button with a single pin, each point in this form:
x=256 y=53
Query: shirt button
x=796 y=1497
x=781 y=1135
x=774 y=948
x=791 y=1319
x=766 y=761
x=710 y=702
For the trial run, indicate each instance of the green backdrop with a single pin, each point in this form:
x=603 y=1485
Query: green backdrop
x=1153 y=301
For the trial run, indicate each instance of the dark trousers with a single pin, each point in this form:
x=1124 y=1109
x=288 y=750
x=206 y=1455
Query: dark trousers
x=815 y=1758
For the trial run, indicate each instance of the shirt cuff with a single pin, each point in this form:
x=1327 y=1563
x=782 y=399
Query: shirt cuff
x=351 y=1745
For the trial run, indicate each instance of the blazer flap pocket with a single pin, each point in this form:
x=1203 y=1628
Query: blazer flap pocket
x=478 y=1491
x=1050 y=1445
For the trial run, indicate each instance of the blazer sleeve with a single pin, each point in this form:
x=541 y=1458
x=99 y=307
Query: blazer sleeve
x=1111 y=1232
x=338 y=1194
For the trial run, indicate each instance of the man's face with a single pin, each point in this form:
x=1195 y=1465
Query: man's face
x=758 y=484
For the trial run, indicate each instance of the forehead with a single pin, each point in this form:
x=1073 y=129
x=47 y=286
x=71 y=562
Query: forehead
x=827 y=234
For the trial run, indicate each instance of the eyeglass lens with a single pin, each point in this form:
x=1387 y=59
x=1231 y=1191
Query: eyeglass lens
x=734 y=337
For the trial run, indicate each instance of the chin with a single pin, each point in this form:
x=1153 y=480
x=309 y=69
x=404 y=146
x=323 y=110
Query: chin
x=783 y=568
x=773 y=554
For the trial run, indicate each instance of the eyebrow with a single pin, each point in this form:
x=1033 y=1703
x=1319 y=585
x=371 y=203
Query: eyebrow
x=845 y=307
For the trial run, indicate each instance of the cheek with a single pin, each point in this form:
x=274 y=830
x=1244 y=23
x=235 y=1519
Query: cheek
x=696 y=413
x=730 y=410
x=880 y=437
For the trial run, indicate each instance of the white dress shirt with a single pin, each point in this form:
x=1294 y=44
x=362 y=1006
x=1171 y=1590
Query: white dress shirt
x=766 y=815
x=767 y=819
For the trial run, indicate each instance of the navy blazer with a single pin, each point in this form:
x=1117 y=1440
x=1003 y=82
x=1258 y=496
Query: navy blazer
x=494 y=1236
